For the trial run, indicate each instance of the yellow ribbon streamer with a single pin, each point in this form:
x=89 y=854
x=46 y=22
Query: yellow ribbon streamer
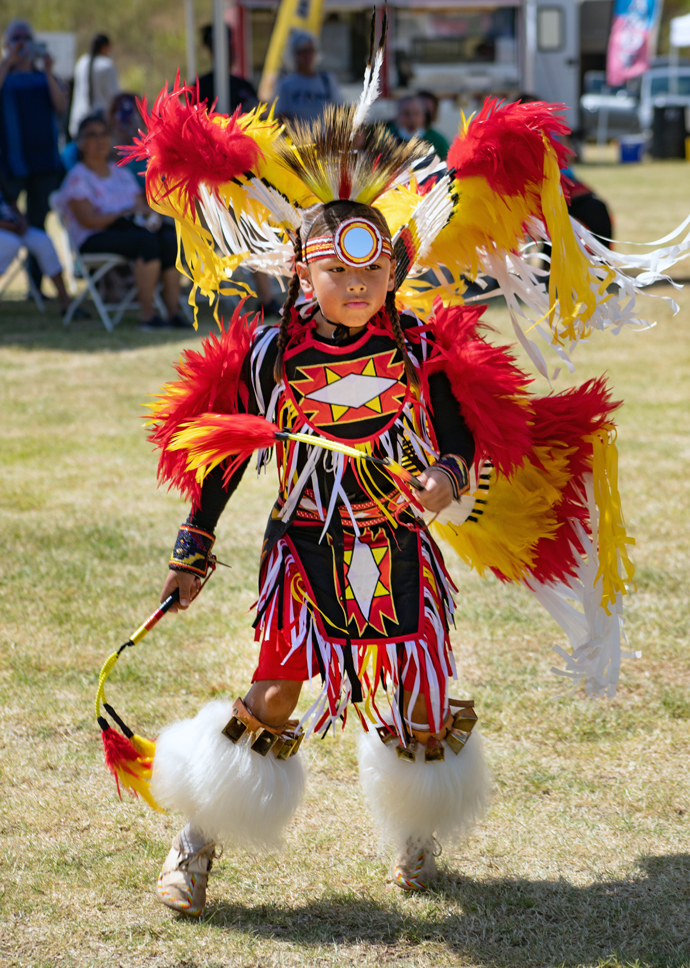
x=613 y=538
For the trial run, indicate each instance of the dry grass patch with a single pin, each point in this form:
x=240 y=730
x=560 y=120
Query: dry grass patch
x=583 y=860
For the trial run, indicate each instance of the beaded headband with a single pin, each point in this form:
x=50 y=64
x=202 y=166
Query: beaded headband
x=356 y=242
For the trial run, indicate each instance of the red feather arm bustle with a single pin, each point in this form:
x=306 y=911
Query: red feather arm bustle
x=210 y=380
x=214 y=438
x=185 y=145
x=504 y=144
x=563 y=420
x=490 y=388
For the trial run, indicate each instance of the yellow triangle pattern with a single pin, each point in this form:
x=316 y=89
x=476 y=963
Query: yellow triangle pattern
x=337 y=411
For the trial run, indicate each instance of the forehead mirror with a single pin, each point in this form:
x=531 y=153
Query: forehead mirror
x=358 y=242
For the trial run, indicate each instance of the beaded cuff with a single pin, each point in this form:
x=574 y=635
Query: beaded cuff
x=191 y=550
x=455 y=469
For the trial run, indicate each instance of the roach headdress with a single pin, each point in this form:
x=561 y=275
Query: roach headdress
x=239 y=188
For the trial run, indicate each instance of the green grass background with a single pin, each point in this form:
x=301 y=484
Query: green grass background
x=583 y=860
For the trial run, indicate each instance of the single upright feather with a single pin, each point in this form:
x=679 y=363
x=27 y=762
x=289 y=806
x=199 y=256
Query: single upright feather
x=372 y=77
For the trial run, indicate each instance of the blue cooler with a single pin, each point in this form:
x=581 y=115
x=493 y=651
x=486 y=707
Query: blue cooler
x=632 y=148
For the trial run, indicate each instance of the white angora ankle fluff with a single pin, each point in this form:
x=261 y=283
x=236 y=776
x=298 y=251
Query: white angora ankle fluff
x=419 y=800
x=228 y=793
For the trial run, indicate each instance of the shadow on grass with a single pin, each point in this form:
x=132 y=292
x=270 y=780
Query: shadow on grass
x=504 y=922
x=22 y=326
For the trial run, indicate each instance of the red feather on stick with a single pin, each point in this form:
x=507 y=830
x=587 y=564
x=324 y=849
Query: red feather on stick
x=212 y=438
x=128 y=766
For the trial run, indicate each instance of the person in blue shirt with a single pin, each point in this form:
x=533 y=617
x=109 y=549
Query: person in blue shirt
x=30 y=100
x=304 y=94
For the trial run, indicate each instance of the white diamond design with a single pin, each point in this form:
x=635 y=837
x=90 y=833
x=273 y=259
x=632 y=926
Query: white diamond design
x=354 y=390
x=363 y=576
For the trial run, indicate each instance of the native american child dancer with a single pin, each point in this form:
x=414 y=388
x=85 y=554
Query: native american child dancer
x=391 y=419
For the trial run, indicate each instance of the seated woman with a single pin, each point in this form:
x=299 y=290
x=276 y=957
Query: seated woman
x=106 y=211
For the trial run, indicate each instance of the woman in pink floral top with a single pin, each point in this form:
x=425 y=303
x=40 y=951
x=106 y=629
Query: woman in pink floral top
x=106 y=211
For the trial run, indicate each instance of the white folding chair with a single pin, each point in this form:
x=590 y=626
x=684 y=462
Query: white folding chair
x=21 y=264
x=90 y=268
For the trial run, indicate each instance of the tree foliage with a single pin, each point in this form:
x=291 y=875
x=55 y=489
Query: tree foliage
x=147 y=36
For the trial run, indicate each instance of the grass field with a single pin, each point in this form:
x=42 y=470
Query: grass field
x=584 y=857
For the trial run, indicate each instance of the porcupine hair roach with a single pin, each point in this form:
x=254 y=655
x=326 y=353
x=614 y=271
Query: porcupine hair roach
x=326 y=219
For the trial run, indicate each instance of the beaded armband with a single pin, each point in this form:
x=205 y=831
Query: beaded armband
x=191 y=550
x=455 y=469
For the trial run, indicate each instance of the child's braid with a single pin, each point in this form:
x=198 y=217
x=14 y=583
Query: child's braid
x=399 y=337
x=283 y=336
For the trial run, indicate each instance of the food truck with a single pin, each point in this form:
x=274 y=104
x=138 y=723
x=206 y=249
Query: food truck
x=461 y=50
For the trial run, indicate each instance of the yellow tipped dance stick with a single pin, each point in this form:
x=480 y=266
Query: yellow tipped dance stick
x=129 y=757
x=392 y=466
x=212 y=437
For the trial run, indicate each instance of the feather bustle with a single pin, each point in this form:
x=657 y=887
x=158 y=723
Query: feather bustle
x=505 y=144
x=490 y=387
x=187 y=143
x=210 y=379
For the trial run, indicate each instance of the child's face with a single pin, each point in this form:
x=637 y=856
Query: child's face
x=346 y=295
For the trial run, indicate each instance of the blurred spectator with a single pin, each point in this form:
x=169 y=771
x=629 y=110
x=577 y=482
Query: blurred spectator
x=125 y=121
x=584 y=204
x=410 y=122
x=30 y=99
x=106 y=211
x=242 y=95
x=304 y=94
x=95 y=83
x=16 y=232
x=242 y=92
x=589 y=209
x=430 y=104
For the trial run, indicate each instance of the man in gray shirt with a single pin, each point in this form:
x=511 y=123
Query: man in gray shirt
x=304 y=94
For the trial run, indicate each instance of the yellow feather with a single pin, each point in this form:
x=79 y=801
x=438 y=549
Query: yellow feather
x=518 y=513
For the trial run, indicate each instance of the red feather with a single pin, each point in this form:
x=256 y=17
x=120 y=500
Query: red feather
x=230 y=435
x=184 y=147
x=490 y=387
x=504 y=144
x=563 y=420
x=569 y=416
x=210 y=380
x=122 y=757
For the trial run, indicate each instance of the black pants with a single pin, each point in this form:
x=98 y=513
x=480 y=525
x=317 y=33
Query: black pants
x=38 y=188
x=129 y=240
x=593 y=214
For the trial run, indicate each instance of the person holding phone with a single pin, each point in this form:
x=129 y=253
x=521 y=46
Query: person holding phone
x=30 y=100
